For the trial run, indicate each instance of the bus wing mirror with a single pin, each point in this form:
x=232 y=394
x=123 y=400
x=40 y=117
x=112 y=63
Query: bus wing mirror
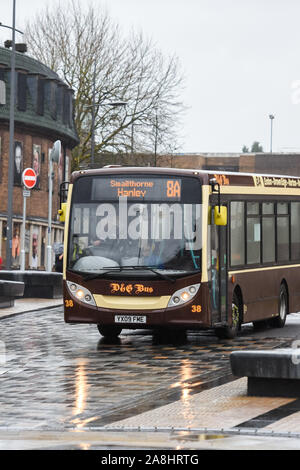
x=220 y=215
x=63 y=193
x=62 y=212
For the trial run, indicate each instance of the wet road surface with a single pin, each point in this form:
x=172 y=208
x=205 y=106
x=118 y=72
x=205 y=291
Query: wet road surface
x=56 y=376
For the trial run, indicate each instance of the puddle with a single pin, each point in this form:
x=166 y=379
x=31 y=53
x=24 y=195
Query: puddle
x=188 y=436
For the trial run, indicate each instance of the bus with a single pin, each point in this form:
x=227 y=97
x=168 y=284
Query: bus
x=180 y=249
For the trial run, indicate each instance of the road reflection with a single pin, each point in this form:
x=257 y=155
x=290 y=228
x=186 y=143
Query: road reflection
x=63 y=375
x=81 y=388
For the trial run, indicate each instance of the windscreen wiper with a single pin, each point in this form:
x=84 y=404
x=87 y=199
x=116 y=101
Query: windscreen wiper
x=163 y=276
x=92 y=276
x=108 y=270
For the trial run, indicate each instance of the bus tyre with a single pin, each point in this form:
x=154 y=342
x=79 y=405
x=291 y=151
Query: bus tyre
x=231 y=331
x=279 y=321
x=109 y=331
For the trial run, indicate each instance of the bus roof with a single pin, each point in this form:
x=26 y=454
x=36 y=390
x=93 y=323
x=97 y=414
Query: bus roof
x=118 y=169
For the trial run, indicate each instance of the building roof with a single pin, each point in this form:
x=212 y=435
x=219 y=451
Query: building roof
x=43 y=101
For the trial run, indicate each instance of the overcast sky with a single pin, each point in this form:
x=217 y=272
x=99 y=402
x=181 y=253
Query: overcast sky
x=241 y=60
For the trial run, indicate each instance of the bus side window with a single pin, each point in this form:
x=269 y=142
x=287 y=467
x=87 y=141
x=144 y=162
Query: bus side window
x=295 y=230
x=237 y=233
x=253 y=233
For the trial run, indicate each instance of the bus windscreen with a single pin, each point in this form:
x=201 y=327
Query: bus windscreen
x=120 y=222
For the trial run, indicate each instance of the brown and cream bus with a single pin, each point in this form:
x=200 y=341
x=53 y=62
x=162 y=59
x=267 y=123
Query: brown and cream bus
x=170 y=249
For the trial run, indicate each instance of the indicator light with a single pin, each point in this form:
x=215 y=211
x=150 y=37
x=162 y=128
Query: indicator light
x=185 y=296
x=80 y=293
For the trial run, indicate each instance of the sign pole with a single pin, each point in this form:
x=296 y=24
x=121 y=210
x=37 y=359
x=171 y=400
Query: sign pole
x=29 y=181
x=22 y=257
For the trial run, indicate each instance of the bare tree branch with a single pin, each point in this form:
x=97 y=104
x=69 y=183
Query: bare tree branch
x=75 y=42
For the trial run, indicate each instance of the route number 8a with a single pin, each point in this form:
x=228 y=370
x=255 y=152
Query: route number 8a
x=173 y=188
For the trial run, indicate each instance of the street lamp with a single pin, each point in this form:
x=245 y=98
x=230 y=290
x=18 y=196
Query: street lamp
x=11 y=139
x=9 y=27
x=10 y=181
x=271 y=116
x=53 y=157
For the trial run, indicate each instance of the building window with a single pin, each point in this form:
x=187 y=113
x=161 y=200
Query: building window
x=50 y=97
x=16 y=245
x=18 y=170
x=36 y=164
x=66 y=107
x=40 y=96
x=2 y=92
x=34 y=248
x=32 y=87
x=21 y=92
x=59 y=99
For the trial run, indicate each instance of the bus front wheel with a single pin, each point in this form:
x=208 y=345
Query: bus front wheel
x=109 y=331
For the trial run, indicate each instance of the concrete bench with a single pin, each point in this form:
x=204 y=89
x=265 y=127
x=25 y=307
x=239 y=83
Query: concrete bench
x=270 y=373
x=9 y=290
x=37 y=284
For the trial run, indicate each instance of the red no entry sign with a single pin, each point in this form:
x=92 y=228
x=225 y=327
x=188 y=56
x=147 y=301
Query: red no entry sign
x=29 y=178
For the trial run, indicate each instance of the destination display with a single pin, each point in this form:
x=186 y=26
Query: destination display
x=145 y=189
x=265 y=181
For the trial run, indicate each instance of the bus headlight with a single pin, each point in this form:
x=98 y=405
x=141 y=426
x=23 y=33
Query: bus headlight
x=183 y=295
x=81 y=293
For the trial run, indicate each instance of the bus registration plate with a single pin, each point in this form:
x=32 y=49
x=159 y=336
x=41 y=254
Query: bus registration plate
x=130 y=319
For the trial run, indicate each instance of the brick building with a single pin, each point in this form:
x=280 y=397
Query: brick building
x=274 y=163
x=43 y=114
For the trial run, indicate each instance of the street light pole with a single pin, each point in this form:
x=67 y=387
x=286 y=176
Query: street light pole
x=53 y=157
x=11 y=146
x=271 y=116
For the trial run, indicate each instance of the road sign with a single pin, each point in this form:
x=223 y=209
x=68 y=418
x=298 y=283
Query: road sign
x=29 y=178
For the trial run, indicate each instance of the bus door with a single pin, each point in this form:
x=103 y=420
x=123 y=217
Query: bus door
x=218 y=276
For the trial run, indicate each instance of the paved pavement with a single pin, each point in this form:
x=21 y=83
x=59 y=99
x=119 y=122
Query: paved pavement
x=29 y=305
x=221 y=417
